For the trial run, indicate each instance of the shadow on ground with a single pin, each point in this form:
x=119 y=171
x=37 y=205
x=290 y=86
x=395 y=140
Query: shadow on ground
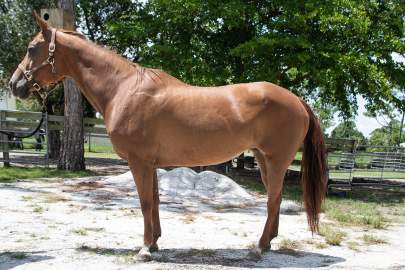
x=241 y=258
x=226 y=257
x=9 y=260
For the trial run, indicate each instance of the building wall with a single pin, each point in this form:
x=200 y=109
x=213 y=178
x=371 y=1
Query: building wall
x=7 y=101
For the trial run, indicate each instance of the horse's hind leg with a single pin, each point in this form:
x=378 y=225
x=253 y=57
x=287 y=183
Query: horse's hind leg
x=273 y=178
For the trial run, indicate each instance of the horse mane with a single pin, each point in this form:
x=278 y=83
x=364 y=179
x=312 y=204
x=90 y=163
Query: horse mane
x=74 y=33
x=110 y=52
x=112 y=56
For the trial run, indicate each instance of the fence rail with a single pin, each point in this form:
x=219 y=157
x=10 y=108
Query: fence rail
x=367 y=165
x=35 y=150
x=349 y=164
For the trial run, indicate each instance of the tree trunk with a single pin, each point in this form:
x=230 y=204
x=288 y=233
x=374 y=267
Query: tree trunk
x=54 y=144
x=72 y=149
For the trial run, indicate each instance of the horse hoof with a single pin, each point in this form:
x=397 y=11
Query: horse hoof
x=154 y=248
x=264 y=249
x=144 y=255
x=255 y=254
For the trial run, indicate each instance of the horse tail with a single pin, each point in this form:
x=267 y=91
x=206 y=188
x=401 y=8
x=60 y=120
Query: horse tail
x=313 y=170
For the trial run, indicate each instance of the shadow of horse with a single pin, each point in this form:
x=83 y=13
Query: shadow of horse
x=226 y=257
x=240 y=258
x=10 y=260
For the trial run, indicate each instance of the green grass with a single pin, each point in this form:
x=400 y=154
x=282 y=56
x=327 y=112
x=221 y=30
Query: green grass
x=101 y=155
x=124 y=255
x=332 y=236
x=10 y=174
x=288 y=244
x=364 y=207
x=368 y=207
x=336 y=174
x=371 y=239
x=351 y=212
x=253 y=183
x=30 y=143
x=249 y=182
x=353 y=246
x=321 y=245
x=98 y=148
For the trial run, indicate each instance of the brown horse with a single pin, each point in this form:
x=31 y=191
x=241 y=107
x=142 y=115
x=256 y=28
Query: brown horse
x=155 y=120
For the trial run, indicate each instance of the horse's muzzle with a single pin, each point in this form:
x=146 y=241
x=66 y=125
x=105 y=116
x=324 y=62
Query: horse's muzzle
x=20 y=89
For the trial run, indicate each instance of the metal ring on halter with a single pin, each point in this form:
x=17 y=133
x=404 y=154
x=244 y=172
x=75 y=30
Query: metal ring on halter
x=51 y=47
x=28 y=75
x=36 y=86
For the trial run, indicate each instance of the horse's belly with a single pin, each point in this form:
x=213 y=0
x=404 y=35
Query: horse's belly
x=200 y=152
x=196 y=160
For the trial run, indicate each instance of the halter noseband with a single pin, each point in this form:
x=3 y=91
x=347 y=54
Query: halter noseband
x=29 y=73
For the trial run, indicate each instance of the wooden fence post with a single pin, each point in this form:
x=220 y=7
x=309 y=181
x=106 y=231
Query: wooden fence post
x=4 y=139
x=46 y=137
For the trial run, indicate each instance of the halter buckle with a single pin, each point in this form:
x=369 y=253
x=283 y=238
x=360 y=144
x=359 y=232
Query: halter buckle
x=36 y=86
x=51 y=59
x=28 y=75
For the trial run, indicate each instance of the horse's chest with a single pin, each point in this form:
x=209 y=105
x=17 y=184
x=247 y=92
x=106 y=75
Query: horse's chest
x=128 y=135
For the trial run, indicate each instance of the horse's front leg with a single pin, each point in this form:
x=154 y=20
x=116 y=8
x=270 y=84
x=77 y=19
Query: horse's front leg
x=157 y=232
x=143 y=173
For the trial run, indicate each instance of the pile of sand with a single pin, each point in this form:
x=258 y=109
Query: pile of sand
x=184 y=184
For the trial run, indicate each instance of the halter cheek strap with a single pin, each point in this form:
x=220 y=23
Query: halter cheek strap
x=29 y=73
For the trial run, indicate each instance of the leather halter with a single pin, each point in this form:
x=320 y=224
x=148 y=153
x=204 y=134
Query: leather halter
x=29 y=73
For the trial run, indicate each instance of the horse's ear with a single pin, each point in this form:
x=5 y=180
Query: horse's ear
x=45 y=29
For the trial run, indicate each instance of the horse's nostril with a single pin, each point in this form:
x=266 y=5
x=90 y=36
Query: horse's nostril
x=10 y=84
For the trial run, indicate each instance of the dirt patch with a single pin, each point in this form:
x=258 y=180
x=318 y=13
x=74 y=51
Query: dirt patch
x=98 y=225
x=82 y=186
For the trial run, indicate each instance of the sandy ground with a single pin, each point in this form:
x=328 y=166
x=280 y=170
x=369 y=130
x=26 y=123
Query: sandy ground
x=96 y=223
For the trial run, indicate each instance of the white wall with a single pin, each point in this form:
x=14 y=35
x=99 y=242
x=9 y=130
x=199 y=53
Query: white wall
x=7 y=101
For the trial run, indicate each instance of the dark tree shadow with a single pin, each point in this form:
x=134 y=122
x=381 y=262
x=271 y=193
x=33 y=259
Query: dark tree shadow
x=227 y=257
x=241 y=258
x=9 y=260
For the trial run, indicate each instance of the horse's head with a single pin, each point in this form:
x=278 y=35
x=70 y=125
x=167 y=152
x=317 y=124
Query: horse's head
x=37 y=69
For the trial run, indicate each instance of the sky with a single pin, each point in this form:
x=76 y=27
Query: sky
x=364 y=124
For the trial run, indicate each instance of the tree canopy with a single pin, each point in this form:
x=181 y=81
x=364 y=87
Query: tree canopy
x=327 y=52
x=348 y=130
x=387 y=135
x=322 y=50
x=17 y=28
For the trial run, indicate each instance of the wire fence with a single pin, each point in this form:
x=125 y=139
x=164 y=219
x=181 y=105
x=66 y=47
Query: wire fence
x=371 y=165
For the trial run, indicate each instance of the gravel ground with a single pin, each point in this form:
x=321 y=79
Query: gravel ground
x=96 y=223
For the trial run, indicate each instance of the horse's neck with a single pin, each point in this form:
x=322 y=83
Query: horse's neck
x=94 y=71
